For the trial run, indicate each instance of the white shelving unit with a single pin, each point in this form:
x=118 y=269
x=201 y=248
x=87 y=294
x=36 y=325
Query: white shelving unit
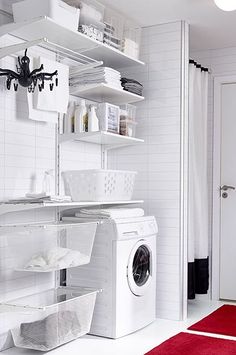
x=73 y=40
x=106 y=93
x=107 y=139
x=87 y=52
x=18 y=207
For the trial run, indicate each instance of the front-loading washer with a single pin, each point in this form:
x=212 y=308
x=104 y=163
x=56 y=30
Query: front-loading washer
x=123 y=265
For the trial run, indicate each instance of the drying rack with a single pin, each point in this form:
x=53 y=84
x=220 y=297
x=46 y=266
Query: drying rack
x=63 y=54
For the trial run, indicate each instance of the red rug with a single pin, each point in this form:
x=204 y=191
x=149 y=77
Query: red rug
x=191 y=344
x=222 y=321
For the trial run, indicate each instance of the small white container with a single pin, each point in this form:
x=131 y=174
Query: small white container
x=52 y=318
x=50 y=247
x=93 y=123
x=57 y=10
x=109 y=117
x=99 y=185
x=81 y=118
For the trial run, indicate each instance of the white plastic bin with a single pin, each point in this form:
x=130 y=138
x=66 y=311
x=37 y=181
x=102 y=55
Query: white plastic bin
x=53 y=317
x=49 y=248
x=58 y=10
x=99 y=185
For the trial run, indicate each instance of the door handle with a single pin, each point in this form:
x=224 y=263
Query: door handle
x=227 y=187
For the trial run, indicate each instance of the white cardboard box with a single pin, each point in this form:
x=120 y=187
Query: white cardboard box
x=58 y=10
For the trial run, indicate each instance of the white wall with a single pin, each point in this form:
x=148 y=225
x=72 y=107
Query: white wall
x=158 y=160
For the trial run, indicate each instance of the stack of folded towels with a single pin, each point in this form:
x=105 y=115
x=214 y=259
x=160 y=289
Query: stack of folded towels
x=109 y=213
x=100 y=75
x=132 y=85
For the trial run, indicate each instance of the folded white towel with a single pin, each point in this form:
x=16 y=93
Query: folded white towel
x=112 y=213
x=56 y=100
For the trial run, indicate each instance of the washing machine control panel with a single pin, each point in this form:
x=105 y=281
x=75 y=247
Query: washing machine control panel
x=140 y=228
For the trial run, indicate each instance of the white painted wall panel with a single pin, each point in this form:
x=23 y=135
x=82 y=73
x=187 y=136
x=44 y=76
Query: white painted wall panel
x=158 y=161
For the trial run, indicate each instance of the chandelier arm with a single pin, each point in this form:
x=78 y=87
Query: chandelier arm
x=35 y=71
x=46 y=76
x=9 y=72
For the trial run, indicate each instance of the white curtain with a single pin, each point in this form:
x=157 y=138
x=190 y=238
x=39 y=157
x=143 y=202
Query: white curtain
x=198 y=179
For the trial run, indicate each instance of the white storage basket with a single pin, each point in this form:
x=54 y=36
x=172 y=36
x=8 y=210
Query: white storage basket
x=57 y=10
x=50 y=247
x=99 y=185
x=52 y=318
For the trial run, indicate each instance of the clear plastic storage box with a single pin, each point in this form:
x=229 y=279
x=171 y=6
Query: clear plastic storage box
x=114 y=27
x=99 y=185
x=131 y=39
x=59 y=11
x=127 y=120
x=128 y=128
x=52 y=318
x=91 y=19
x=128 y=112
x=49 y=248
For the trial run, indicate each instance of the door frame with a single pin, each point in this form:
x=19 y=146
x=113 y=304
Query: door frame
x=216 y=208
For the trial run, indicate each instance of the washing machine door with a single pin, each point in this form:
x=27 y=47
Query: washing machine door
x=139 y=269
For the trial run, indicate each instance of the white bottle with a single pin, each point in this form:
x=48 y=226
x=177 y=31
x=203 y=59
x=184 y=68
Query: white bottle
x=69 y=118
x=81 y=118
x=93 y=123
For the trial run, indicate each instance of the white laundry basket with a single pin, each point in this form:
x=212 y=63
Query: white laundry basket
x=99 y=185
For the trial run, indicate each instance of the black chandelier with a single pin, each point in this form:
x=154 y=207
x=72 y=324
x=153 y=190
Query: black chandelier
x=26 y=78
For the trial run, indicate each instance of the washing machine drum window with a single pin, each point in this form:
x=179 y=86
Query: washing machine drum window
x=141 y=265
x=140 y=268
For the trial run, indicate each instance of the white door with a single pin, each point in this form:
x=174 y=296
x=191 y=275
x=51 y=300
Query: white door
x=228 y=193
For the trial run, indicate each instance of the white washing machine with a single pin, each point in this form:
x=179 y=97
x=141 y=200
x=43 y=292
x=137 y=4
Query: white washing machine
x=123 y=265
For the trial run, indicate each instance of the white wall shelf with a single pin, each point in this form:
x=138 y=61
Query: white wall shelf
x=108 y=139
x=18 y=207
x=73 y=40
x=106 y=93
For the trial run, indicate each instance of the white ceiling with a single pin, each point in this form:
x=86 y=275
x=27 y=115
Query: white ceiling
x=210 y=27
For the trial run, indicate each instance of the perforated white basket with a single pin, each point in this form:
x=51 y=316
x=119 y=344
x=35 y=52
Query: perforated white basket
x=99 y=185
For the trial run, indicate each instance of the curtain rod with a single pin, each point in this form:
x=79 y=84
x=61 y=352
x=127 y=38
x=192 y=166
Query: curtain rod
x=197 y=65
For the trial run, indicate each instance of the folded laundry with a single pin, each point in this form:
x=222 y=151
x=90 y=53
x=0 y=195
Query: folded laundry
x=100 y=75
x=56 y=259
x=132 y=85
x=112 y=213
x=40 y=197
x=47 y=333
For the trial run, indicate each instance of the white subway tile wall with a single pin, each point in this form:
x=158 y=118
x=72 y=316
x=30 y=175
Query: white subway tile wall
x=158 y=160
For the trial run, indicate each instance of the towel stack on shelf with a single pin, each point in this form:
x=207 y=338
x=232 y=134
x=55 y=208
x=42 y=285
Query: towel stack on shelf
x=132 y=86
x=101 y=75
x=109 y=213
